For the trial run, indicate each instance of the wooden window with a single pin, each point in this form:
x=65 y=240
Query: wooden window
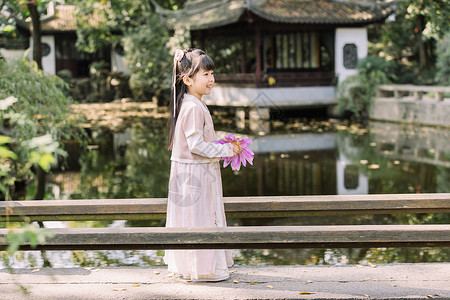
x=291 y=51
x=298 y=38
x=297 y=50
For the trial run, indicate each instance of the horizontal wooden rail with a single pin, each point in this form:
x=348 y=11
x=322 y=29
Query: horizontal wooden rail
x=253 y=237
x=235 y=207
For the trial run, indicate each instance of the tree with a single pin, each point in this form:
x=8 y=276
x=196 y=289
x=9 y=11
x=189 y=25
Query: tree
x=36 y=32
x=422 y=21
x=42 y=113
x=11 y=10
x=135 y=25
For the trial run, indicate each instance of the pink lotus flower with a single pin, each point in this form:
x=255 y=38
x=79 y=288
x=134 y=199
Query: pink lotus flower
x=244 y=155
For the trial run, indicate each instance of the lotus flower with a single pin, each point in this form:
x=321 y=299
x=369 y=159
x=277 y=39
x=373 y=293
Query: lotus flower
x=242 y=157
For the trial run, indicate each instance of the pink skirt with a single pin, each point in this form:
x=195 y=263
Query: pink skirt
x=195 y=200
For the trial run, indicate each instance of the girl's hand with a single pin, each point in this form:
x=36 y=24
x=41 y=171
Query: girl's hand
x=235 y=149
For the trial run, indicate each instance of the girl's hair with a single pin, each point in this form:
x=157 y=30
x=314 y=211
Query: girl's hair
x=187 y=62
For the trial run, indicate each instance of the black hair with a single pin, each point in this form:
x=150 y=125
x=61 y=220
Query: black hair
x=187 y=63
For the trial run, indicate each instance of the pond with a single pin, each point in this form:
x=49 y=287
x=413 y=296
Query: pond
x=298 y=157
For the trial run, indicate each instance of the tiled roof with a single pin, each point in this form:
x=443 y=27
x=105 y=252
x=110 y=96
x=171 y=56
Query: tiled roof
x=63 y=20
x=320 y=12
x=202 y=14
x=196 y=16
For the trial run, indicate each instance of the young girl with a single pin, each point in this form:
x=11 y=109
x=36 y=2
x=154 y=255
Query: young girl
x=195 y=185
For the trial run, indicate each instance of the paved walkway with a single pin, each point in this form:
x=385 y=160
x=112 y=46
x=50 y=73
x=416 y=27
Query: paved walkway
x=398 y=281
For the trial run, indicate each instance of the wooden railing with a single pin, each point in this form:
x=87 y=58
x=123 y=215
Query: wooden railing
x=244 y=237
x=279 y=79
x=234 y=236
x=235 y=207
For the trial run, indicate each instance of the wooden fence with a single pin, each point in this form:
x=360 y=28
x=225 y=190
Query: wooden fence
x=234 y=237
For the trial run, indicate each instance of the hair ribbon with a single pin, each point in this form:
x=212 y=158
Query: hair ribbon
x=179 y=55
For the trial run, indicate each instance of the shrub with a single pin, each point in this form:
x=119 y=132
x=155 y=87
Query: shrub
x=357 y=91
x=35 y=117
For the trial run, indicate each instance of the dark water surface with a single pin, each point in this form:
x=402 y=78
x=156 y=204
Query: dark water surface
x=309 y=158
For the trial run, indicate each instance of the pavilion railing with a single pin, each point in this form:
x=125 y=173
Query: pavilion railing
x=278 y=79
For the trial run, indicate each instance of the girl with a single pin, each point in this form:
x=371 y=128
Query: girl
x=195 y=185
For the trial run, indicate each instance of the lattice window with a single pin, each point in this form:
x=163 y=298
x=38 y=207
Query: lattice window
x=350 y=56
x=45 y=48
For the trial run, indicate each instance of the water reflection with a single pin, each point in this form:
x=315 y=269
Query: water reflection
x=382 y=158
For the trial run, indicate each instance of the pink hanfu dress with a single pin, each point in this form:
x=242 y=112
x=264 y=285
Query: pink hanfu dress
x=195 y=190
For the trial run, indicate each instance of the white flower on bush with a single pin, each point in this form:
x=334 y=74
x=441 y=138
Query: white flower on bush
x=5 y=103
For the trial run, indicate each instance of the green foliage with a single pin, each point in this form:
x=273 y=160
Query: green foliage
x=409 y=37
x=42 y=99
x=35 y=116
x=148 y=58
x=18 y=157
x=356 y=92
x=6 y=159
x=32 y=121
x=443 y=60
x=134 y=25
x=29 y=234
x=435 y=13
x=43 y=105
x=101 y=23
x=127 y=176
x=10 y=10
x=37 y=154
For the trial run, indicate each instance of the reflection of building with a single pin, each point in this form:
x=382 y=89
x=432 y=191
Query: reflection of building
x=121 y=141
x=291 y=164
x=428 y=145
x=306 y=164
x=305 y=161
x=294 y=143
x=350 y=180
x=289 y=50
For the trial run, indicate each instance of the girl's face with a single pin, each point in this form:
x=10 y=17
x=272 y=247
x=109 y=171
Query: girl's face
x=200 y=84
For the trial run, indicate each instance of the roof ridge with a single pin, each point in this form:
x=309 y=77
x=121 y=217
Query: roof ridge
x=223 y=12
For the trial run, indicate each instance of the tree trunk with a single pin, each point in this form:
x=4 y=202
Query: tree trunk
x=36 y=32
x=37 y=57
x=41 y=180
x=420 y=44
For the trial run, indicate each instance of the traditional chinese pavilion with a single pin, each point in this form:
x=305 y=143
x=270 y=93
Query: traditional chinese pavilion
x=58 y=28
x=278 y=53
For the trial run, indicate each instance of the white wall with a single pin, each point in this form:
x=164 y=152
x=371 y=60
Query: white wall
x=271 y=97
x=357 y=36
x=12 y=54
x=118 y=62
x=48 y=61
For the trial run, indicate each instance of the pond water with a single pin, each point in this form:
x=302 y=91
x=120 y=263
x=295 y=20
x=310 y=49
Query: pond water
x=325 y=157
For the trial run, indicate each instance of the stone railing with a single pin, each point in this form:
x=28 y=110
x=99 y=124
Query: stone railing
x=413 y=92
x=419 y=105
